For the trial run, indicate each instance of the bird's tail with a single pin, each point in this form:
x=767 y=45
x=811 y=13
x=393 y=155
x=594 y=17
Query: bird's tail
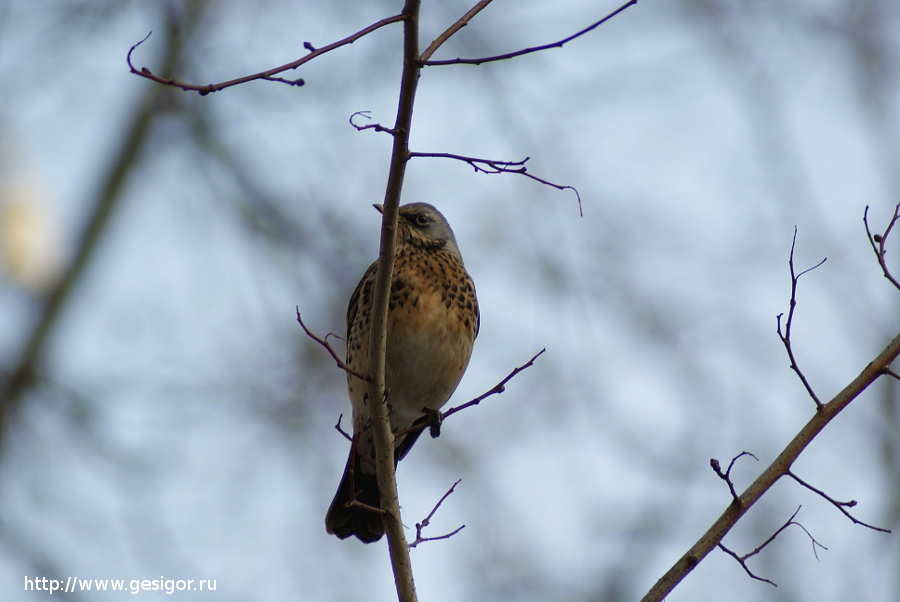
x=358 y=483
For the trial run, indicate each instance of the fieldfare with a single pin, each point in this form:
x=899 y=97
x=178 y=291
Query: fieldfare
x=433 y=320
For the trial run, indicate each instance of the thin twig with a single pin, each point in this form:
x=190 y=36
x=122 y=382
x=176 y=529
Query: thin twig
x=787 y=524
x=509 y=55
x=489 y=166
x=726 y=476
x=815 y=544
x=498 y=388
x=778 y=468
x=743 y=563
x=427 y=521
x=328 y=347
x=877 y=241
x=743 y=559
x=371 y=126
x=493 y=166
x=340 y=429
x=263 y=75
x=354 y=445
x=460 y=23
x=842 y=506
x=786 y=336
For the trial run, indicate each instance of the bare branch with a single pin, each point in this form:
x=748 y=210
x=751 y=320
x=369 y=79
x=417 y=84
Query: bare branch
x=434 y=420
x=786 y=336
x=427 y=521
x=787 y=524
x=777 y=469
x=498 y=388
x=509 y=55
x=815 y=544
x=340 y=429
x=489 y=166
x=269 y=74
x=492 y=166
x=377 y=351
x=462 y=22
x=328 y=347
x=877 y=241
x=726 y=476
x=743 y=559
x=445 y=536
x=743 y=563
x=842 y=506
x=371 y=126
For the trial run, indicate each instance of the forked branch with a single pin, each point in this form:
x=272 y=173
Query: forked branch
x=877 y=241
x=743 y=559
x=324 y=343
x=786 y=335
x=842 y=506
x=427 y=521
x=269 y=74
x=780 y=467
x=493 y=166
x=726 y=476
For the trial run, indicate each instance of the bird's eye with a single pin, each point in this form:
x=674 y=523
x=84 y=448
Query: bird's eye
x=421 y=220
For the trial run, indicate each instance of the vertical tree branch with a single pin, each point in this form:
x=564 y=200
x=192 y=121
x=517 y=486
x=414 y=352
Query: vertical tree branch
x=384 y=438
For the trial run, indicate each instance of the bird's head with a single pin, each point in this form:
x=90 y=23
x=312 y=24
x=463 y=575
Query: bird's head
x=421 y=225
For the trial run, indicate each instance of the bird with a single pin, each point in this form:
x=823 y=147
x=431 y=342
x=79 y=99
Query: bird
x=433 y=320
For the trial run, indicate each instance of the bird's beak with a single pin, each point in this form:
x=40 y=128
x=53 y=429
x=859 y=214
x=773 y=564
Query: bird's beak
x=380 y=208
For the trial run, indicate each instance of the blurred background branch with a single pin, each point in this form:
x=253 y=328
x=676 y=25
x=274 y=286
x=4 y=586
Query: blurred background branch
x=178 y=28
